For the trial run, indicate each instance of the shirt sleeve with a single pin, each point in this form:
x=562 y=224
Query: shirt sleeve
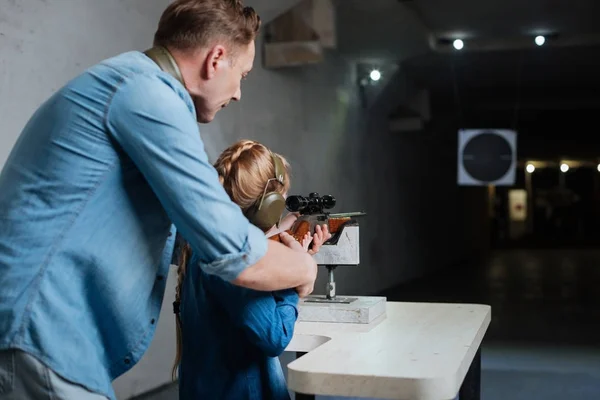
x=267 y=319
x=155 y=126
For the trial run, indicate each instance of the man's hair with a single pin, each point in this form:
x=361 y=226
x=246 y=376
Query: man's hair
x=190 y=24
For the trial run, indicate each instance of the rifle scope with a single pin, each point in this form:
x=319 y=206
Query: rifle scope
x=313 y=204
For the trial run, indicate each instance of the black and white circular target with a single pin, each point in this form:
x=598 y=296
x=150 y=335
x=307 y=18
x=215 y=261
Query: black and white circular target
x=487 y=156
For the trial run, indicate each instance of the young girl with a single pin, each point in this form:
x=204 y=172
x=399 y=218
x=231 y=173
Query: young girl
x=229 y=337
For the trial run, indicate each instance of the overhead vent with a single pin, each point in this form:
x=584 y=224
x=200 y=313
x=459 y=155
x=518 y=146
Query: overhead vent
x=301 y=35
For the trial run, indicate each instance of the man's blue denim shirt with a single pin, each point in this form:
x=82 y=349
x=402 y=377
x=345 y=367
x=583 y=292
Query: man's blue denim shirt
x=232 y=337
x=89 y=200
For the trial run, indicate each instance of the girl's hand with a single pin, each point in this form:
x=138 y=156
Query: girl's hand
x=292 y=243
x=306 y=241
x=321 y=236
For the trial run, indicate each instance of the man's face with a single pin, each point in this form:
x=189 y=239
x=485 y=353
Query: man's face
x=221 y=80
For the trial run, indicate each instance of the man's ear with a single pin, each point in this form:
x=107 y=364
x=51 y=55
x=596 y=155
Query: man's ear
x=215 y=57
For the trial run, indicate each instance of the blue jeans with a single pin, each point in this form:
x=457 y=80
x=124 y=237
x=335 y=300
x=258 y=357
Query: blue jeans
x=23 y=377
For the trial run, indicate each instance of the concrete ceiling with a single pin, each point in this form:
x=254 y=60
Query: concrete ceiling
x=569 y=57
x=548 y=91
x=481 y=18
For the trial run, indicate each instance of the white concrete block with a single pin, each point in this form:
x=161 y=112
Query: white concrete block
x=363 y=310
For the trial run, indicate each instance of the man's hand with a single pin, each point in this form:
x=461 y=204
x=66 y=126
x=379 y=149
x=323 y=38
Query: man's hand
x=305 y=290
x=308 y=287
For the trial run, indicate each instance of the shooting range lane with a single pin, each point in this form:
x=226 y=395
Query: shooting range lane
x=416 y=351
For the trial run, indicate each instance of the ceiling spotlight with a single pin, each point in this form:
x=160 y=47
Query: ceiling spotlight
x=540 y=40
x=564 y=167
x=598 y=167
x=375 y=75
x=530 y=168
x=458 y=44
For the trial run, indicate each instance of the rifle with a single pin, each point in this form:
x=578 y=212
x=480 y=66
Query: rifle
x=312 y=213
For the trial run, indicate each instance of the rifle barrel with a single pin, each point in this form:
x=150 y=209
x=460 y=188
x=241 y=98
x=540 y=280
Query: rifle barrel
x=348 y=215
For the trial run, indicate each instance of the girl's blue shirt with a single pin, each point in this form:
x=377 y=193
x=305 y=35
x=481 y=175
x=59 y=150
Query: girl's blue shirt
x=232 y=337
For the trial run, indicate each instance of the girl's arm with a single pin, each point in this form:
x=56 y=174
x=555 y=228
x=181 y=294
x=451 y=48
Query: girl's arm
x=267 y=318
x=285 y=224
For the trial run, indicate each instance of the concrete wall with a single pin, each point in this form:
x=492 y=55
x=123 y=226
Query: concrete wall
x=313 y=115
x=45 y=43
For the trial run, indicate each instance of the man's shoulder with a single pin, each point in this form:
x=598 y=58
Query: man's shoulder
x=112 y=73
x=136 y=66
x=124 y=64
x=129 y=62
x=139 y=74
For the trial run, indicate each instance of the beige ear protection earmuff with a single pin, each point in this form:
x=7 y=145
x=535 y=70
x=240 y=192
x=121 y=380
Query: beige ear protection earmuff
x=267 y=212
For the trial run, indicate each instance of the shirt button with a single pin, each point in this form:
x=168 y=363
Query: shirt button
x=127 y=361
x=170 y=234
x=152 y=321
x=160 y=278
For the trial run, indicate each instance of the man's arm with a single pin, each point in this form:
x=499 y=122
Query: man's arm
x=265 y=270
x=155 y=125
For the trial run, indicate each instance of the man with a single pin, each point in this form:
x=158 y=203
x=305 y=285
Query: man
x=92 y=192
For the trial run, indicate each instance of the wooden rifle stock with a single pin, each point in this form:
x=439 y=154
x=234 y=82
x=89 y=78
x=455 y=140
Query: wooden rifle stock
x=303 y=226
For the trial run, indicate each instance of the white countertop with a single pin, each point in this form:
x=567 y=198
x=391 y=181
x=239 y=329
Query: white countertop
x=416 y=351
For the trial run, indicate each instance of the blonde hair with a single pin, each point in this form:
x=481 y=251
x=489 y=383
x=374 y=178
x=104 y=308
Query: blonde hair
x=244 y=168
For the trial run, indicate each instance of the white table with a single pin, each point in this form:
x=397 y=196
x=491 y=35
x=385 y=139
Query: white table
x=421 y=351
